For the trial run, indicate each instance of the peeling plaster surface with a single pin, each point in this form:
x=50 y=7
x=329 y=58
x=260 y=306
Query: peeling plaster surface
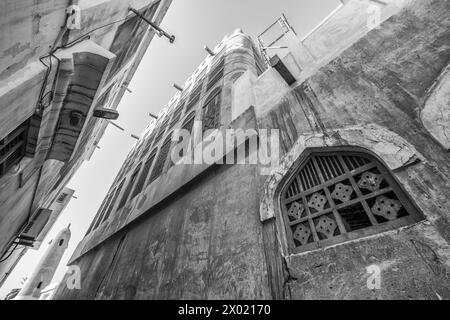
x=436 y=112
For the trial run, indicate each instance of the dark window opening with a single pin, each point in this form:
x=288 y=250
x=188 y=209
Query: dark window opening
x=39 y=285
x=194 y=97
x=12 y=148
x=338 y=196
x=110 y=206
x=188 y=124
x=177 y=113
x=143 y=176
x=61 y=242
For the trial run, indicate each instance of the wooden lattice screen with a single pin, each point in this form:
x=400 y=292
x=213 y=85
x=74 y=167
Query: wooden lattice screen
x=340 y=196
x=211 y=112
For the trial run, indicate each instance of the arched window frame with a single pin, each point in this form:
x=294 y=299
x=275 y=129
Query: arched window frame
x=283 y=206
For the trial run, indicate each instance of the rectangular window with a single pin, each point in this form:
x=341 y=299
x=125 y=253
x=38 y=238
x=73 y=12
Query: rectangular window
x=12 y=148
x=128 y=189
x=159 y=165
x=148 y=144
x=62 y=197
x=143 y=176
x=216 y=74
x=113 y=201
x=104 y=206
x=128 y=37
x=195 y=96
x=187 y=125
x=177 y=113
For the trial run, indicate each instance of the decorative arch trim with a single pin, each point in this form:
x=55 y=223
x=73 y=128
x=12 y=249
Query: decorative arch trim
x=388 y=146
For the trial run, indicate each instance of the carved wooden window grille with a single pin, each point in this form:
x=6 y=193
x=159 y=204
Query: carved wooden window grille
x=110 y=205
x=338 y=196
x=151 y=161
x=161 y=129
x=194 y=97
x=188 y=124
x=259 y=61
x=161 y=160
x=177 y=113
x=211 y=112
x=62 y=197
x=130 y=185
x=12 y=148
x=216 y=74
x=103 y=209
x=144 y=174
x=148 y=144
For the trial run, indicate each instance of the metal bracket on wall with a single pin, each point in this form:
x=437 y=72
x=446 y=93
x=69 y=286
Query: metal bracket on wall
x=160 y=31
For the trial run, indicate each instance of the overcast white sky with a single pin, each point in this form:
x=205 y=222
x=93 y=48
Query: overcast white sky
x=195 y=23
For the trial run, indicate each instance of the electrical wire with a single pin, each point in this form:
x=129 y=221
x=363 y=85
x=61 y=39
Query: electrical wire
x=10 y=254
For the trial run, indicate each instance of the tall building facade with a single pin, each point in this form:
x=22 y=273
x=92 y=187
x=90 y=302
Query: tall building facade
x=348 y=196
x=64 y=66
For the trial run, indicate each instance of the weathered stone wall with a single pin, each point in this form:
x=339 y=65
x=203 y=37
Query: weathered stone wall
x=383 y=79
x=204 y=243
x=236 y=49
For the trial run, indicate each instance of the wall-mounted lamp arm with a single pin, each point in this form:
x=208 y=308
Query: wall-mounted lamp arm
x=154 y=26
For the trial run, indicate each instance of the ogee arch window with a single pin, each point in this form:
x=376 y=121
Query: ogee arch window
x=336 y=195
